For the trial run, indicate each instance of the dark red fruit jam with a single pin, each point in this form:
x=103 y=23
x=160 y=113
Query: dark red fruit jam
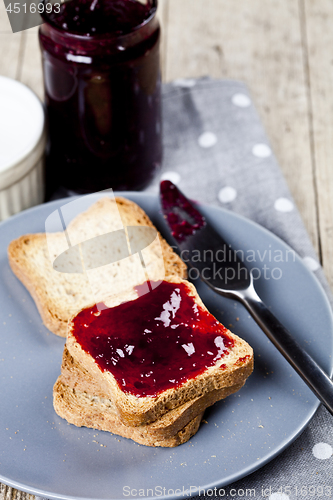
x=102 y=94
x=155 y=342
x=183 y=219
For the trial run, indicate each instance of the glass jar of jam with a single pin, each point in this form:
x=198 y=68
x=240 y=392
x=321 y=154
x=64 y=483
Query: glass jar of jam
x=102 y=94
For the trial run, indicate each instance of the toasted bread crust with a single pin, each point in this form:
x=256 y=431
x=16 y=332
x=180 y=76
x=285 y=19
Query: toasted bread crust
x=81 y=409
x=77 y=378
x=57 y=295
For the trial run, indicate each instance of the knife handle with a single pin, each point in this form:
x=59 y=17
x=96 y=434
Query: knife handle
x=320 y=384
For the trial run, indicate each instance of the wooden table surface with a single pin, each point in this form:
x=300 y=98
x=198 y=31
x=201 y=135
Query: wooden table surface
x=282 y=49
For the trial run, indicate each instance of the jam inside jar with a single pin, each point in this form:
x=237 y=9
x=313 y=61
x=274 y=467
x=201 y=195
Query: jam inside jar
x=102 y=94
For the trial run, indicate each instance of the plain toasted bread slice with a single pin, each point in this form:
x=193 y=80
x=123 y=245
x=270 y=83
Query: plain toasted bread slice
x=230 y=370
x=59 y=295
x=84 y=410
x=75 y=377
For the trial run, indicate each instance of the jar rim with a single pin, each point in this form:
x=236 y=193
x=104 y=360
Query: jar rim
x=100 y=36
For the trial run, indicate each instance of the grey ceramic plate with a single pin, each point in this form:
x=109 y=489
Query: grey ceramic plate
x=41 y=454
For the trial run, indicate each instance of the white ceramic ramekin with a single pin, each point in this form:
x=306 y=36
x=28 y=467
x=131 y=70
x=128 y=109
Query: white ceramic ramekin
x=22 y=148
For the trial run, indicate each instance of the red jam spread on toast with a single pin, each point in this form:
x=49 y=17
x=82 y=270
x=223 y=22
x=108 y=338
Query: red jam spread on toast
x=183 y=219
x=155 y=342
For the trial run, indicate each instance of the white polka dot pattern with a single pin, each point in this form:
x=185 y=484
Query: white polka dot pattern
x=227 y=194
x=184 y=82
x=278 y=496
x=241 y=100
x=311 y=263
x=261 y=150
x=171 y=176
x=283 y=205
x=207 y=140
x=322 y=451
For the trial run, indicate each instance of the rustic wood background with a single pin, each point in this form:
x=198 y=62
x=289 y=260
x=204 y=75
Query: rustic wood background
x=282 y=49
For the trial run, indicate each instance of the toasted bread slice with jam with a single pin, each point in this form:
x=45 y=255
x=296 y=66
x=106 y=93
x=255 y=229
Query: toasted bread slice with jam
x=153 y=352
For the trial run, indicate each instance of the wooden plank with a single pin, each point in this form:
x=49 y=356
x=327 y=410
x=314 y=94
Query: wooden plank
x=10 y=44
x=319 y=39
x=10 y=54
x=5 y=27
x=261 y=44
x=30 y=72
x=162 y=13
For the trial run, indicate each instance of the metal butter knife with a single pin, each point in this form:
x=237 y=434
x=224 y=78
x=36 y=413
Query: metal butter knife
x=224 y=272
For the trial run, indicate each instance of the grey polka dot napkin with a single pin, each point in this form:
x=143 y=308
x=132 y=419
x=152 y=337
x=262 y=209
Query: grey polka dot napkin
x=216 y=151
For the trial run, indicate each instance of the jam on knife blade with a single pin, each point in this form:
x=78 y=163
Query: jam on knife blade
x=183 y=219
